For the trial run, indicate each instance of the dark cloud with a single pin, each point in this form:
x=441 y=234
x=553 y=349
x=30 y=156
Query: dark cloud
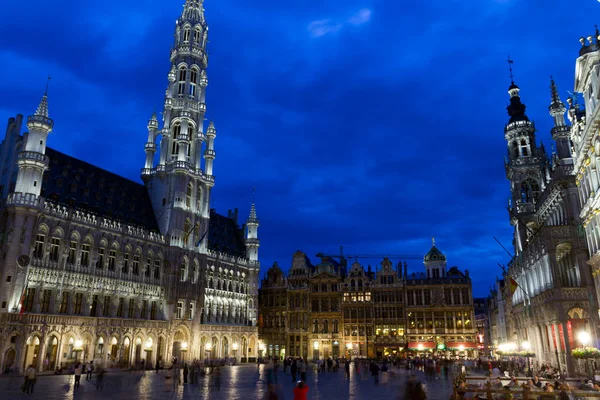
x=377 y=135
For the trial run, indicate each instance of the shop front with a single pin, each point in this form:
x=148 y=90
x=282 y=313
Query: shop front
x=463 y=349
x=421 y=349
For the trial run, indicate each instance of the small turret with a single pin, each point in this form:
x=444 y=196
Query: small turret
x=252 y=241
x=32 y=160
x=560 y=131
x=150 y=145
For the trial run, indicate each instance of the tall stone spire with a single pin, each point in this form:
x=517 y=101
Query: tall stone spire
x=181 y=183
x=252 y=241
x=560 y=131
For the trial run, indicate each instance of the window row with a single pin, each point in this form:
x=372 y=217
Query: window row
x=81 y=254
x=324 y=326
x=76 y=303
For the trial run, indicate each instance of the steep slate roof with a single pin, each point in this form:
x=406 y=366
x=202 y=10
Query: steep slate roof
x=82 y=185
x=79 y=184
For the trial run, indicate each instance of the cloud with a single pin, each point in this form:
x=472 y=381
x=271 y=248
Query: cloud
x=361 y=17
x=324 y=27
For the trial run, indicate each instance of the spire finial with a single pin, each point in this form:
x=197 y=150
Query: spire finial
x=433 y=241
x=253 y=193
x=554 y=91
x=510 y=63
x=47 y=83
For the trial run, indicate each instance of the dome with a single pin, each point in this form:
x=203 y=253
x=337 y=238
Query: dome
x=434 y=255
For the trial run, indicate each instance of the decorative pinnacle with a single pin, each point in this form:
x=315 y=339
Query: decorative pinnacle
x=253 y=217
x=432 y=241
x=42 y=109
x=510 y=62
x=554 y=91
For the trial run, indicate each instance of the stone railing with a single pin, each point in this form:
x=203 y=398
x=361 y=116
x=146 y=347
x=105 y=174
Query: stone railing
x=77 y=320
x=88 y=218
x=23 y=199
x=34 y=156
x=217 y=255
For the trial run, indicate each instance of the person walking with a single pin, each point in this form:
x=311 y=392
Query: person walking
x=157 y=366
x=375 y=372
x=30 y=378
x=185 y=373
x=300 y=391
x=347 y=369
x=90 y=369
x=302 y=369
x=78 y=371
x=100 y=378
x=294 y=370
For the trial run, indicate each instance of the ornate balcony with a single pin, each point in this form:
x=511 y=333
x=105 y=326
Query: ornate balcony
x=33 y=158
x=210 y=154
x=23 y=199
x=150 y=146
x=40 y=120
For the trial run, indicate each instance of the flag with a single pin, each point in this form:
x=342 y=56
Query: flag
x=512 y=285
x=23 y=300
x=187 y=234
x=202 y=238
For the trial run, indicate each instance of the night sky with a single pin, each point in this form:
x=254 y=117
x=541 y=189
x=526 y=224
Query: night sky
x=369 y=124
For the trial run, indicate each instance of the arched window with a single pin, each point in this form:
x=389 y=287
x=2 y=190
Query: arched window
x=193 y=81
x=530 y=191
x=186 y=34
x=188 y=196
x=197 y=34
x=183 y=272
x=176 y=130
x=182 y=79
x=187 y=227
x=524 y=148
x=199 y=198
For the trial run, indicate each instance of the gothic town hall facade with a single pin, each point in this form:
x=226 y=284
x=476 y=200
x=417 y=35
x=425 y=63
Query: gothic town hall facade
x=97 y=267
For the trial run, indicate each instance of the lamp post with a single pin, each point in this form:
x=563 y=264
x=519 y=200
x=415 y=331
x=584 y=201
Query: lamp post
x=526 y=346
x=235 y=348
x=78 y=348
x=148 y=350
x=585 y=338
x=208 y=348
x=184 y=349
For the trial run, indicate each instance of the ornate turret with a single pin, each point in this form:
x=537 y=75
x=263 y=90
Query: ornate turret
x=592 y=44
x=32 y=160
x=252 y=241
x=180 y=184
x=560 y=131
x=435 y=262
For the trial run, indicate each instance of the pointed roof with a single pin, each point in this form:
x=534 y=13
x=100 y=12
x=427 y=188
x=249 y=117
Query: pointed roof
x=556 y=105
x=193 y=11
x=42 y=109
x=434 y=254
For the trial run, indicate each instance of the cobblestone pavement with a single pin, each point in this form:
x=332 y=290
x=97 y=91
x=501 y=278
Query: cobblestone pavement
x=239 y=382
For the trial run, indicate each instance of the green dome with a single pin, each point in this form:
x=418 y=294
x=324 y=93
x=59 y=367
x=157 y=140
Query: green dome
x=434 y=255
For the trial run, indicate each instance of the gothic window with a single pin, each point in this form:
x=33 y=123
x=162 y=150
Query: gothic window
x=182 y=78
x=125 y=268
x=54 y=246
x=325 y=326
x=112 y=255
x=187 y=227
x=186 y=34
x=39 y=246
x=524 y=148
x=131 y=311
x=100 y=261
x=193 y=80
x=85 y=254
x=136 y=264
x=175 y=148
x=188 y=197
x=148 y=267
x=153 y=310
x=64 y=303
x=78 y=303
x=176 y=130
x=157 y=269
x=72 y=252
x=199 y=198
x=120 y=307
x=529 y=191
x=197 y=35
x=183 y=272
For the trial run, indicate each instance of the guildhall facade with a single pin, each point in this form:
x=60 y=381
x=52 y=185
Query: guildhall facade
x=327 y=310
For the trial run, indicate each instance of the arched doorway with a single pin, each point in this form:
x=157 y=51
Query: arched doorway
x=203 y=349
x=244 y=350
x=224 y=348
x=138 y=351
x=32 y=348
x=159 y=348
x=215 y=347
x=180 y=346
x=126 y=350
x=51 y=353
x=114 y=350
x=252 y=348
x=9 y=360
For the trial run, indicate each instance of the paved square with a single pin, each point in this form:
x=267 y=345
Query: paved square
x=240 y=382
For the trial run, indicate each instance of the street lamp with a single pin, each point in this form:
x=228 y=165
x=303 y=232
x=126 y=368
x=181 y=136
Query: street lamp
x=184 y=349
x=208 y=348
x=526 y=346
x=148 y=350
x=78 y=348
x=585 y=339
x=235 y=348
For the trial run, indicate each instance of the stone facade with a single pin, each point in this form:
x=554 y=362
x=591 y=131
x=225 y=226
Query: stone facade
x=96 y=267
x=554 y=298
x=329 y=311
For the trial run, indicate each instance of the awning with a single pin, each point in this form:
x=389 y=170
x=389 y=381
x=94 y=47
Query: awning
x=457 y=345
x=421 y=345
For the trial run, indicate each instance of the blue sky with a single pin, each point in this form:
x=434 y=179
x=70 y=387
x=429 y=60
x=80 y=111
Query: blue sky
x=369 y=124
